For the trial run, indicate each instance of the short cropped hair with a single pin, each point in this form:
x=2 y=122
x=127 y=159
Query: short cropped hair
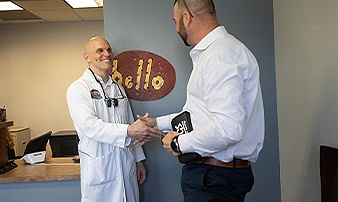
x=197 y=7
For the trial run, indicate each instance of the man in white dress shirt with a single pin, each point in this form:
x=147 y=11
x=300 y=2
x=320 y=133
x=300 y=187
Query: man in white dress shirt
x=225 y=104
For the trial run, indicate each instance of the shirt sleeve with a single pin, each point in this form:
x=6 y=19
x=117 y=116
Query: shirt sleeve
x=164 y=122
x=86 y=122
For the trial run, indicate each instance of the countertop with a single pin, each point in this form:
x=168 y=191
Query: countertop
x=53 y=169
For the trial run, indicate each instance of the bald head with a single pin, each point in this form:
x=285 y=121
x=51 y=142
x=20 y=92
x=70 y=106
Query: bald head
x=91 y=42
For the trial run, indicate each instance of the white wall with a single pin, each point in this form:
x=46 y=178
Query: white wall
x=307 y=71
x=37 y=64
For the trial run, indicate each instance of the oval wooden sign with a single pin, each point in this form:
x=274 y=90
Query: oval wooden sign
x=144 y=75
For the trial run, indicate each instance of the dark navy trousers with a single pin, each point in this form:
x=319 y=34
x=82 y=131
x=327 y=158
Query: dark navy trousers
x=207 y=183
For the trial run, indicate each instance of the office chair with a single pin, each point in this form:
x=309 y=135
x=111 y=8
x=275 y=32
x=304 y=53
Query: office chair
x=329 y=174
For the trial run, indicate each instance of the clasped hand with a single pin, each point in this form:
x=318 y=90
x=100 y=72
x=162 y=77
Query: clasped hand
x=166 y=141
x=141 y=133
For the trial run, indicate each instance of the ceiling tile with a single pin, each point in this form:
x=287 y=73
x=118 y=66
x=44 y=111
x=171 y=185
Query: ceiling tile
x=42 y=5
x=2 y=22
x=90 y=13
x=48 y=11
x=58 y=15
x=17 y=15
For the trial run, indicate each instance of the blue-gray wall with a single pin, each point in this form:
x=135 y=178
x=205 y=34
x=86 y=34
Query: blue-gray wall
x=53 y=191
x=147 y=25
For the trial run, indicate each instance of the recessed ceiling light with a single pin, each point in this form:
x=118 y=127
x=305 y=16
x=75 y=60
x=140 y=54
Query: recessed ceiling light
x=9 y=6
x=84 y=3
x=99 y=2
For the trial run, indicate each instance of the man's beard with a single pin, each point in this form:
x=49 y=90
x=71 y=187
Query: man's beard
x=183 y=33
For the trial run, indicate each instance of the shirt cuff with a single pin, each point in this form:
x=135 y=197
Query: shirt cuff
x=164 y=123
x=183 y=142
x=139 y=154
x=124 y=141
x=128 y=141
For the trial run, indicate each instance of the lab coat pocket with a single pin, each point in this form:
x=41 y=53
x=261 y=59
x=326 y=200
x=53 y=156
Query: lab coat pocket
x=101 y=170
x=121 y=113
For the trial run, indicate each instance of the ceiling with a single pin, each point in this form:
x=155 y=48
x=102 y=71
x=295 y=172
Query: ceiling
x=37 y=11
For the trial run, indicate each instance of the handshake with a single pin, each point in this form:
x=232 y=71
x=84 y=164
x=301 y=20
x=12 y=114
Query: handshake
x=145 y=130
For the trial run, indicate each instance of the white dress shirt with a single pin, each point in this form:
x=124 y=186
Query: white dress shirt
x=224 y=100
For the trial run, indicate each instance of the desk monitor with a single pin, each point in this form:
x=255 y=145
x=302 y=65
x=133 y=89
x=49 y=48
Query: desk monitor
x=37 y=144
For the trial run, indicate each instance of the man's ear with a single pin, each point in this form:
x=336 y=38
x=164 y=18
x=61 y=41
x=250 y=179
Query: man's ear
x=86 y=57
x=187 y=18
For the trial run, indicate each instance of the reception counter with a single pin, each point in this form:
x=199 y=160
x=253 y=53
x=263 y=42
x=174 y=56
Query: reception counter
x=53 y=169
x=56 y=179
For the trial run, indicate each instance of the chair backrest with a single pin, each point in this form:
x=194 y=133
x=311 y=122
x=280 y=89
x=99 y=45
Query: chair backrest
x=329 y=173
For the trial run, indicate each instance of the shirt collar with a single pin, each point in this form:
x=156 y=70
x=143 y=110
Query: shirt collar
x=207 y=41
x=89 y=76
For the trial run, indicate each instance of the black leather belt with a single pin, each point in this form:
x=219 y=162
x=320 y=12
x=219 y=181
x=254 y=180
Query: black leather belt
x=236 y=163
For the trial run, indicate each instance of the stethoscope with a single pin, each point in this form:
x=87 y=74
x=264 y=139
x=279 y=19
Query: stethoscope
x=109 y=101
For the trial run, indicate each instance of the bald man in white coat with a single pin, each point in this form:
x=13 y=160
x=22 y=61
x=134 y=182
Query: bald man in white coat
x=110 y=160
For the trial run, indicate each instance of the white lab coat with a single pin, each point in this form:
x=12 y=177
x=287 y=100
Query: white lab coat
x=108 y=160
